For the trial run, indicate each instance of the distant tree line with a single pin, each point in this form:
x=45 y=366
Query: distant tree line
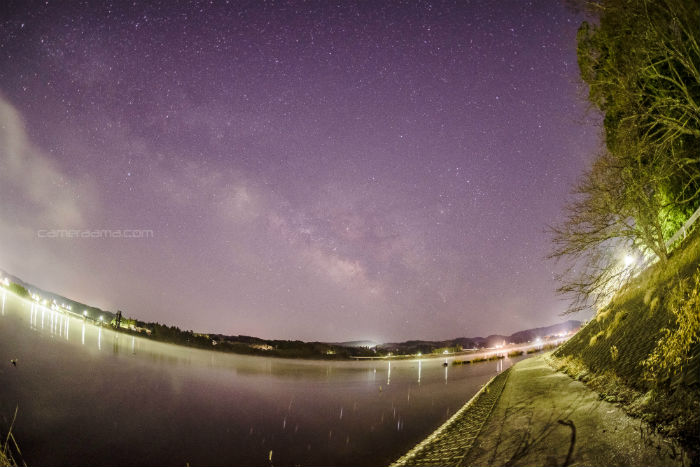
x=246 y=345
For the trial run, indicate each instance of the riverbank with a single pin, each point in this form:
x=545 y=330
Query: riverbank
x=452 y=441
x=543 y=417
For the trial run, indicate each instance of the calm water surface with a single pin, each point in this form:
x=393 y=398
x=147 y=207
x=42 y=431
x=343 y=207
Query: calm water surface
x=89 y=396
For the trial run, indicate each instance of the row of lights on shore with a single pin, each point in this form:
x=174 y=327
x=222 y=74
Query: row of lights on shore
x=54 y=306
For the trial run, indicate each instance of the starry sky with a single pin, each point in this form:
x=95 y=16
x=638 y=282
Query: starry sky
x=310 y=170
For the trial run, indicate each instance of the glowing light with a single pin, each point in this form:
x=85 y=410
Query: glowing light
x=629 y=260
x=445 y=352
x=84 y=312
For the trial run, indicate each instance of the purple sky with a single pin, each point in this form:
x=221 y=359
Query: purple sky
x=313 y=170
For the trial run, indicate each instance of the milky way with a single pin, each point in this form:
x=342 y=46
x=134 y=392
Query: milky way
x=312 y=170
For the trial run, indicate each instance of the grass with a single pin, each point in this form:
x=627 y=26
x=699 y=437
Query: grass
x=609 y=352
x=9 y=450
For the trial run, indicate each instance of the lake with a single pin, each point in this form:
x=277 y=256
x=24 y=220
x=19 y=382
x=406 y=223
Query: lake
x=89 y=396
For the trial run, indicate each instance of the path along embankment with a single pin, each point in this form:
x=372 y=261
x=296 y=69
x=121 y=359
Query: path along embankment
x=534 y=415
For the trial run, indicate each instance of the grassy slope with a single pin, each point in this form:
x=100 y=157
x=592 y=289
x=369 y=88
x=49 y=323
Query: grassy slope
x=633 y=324
x=634 y=320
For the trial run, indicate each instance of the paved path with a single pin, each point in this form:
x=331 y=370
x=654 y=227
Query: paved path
x=533 y=415
x=544 y=417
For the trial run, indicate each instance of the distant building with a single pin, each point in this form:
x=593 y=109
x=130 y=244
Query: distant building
x=261 y=346
x=140 y=329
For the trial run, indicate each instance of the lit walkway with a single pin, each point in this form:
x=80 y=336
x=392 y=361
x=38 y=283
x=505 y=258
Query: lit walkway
x=542 y=417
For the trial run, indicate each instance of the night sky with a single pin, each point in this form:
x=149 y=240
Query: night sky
x=313 y=170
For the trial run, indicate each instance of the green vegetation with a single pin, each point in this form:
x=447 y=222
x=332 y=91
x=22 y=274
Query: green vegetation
x=9 y=449
x=18 y=289
x=643 y=349
x=642 y=64
x=515 y=353
x=670 y=357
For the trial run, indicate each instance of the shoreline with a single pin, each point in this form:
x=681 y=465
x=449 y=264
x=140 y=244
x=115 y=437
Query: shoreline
x=475 y=354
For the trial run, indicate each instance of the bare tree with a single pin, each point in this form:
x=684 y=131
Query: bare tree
x=612 y=215
x=642 y=64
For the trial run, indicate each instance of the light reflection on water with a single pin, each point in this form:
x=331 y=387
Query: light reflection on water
x=155 y=403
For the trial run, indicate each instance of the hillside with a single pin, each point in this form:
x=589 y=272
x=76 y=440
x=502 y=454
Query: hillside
x=93 y=312
x=610 y=351
x=520 y=337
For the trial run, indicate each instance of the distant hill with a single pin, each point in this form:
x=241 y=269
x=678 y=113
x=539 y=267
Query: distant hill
x=519 y=337
x=298 y=349
x=78 y=307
